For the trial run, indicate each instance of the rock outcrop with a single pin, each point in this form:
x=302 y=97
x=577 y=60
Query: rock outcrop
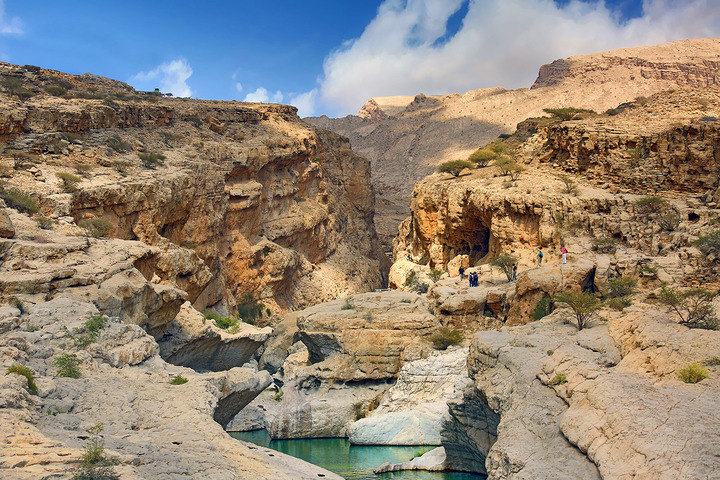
x=405 y=138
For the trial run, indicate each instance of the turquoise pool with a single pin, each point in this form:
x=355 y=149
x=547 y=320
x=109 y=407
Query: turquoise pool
x=350 y=461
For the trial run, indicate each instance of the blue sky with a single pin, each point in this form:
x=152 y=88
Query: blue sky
x=330 y=56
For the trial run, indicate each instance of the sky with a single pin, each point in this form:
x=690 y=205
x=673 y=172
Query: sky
x=329 y=56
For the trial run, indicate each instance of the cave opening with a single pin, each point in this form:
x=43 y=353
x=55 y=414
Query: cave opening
x=473 y=239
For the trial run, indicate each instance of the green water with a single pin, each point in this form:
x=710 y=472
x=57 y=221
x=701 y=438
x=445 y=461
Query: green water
x=351 y=461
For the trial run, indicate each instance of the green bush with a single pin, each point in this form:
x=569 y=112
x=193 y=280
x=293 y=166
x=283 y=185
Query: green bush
x=505 y=262
x=88 y=332
x=23 y=370
x=543 y=308
x=96 y=227
x=118 y=144
x=694 y=306
x=571 y=187
x=55 y=90
x=94 y=464
x=278 y=395
x=651 y=204
x=445 y=337
x=693 y=373
x=482 y=157
x=152 y=159
x=709 y=244
x=508 y=166
x=414 y=284
x=178 y=380
x=67 y=365
x=583 y=305
x=69 y=180
x=15 y=86
x=43 y=222
x=435 y=274
x=19 y=200
x=221 y=321
x=619 y=303
x=621 y=287
x=454 y=167
x=712 y=362
x=559 y=379
x=568 y=113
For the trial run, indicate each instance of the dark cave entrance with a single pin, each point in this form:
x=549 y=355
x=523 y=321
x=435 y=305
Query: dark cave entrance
x=471 y=239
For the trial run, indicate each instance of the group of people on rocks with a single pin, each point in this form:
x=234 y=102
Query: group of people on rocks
x=473 y=277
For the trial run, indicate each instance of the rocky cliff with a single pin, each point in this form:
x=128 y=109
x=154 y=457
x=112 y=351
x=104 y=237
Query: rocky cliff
x=405 y=138
x=260 y=202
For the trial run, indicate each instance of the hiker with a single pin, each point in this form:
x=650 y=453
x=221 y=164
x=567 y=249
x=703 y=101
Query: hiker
x=539 y=256
x=514 y=272
x=564 y=254
x=462 y=273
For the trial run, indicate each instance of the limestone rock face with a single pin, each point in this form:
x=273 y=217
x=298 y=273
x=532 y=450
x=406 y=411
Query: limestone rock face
x=6 y=227
x=240 y=199
x=406 y=138
x=153 y=428
x=412 y=411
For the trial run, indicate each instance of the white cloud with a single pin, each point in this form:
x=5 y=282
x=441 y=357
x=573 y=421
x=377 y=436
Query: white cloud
x=9 y=26
x=169 y=77
x=305 y=102
x=238 y=86
x=402 y=51
x=261 y=95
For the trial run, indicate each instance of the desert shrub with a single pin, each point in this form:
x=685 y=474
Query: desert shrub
x=669 y=220
x=152 y=159
x=612 y=111
x=118 y=144
x=178 y=380
x=95 y=464
x=649 y=269
x=651 y=204
x=501 y=148
x=445 y=337
x=19 y=200
x=604 y=245
x=250 y=310
x=60 y=82
x=583 y=304
x=559 y=379
x=415 y=285
x=619 y=303
x=69 y=181
x=709 y=244
x=454 y=167
x=43 y=222
x=543 y=308
x=277 y=396
x=88 y=332
x=482 y=157
x=693 y=306
x=435 y=274
x=96 y=227
x=347 y=305
x=504 y=136
x=55 y=90
x=693 y=373
x=32 y=68
x=515 y=171
x=567 y=113
x=570 y=185
x=642 y=101
x=20 y=369
x=109 y=102
x=221 y=321
x=508 y=166
x=712 y=362
x=14 y=86
x=505 y=262
x=420 y=287
x=67 y=365
x=621 y=287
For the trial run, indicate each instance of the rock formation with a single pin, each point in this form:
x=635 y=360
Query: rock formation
x=405 y=138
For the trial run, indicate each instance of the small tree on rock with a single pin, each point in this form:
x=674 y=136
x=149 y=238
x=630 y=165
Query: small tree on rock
x=482 y=157
x=693 y=307
x=506 y=165
x=583 y=304
x=454 y=167
x=505 y=262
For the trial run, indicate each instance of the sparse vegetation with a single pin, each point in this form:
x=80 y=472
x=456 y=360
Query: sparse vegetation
x=505 y=262
x=69 y=181
x=20 y=369
x=14 y=86
x=454 y=167
x=221 y=321
x=693 y=373
x=619 y=303
x=118 y=144
x=250 y=310
x=642 y=101
x=435 y=274
x=445 y=337
x=152 y=160
x=94 y=464
x=414 y=284
x=712 y=362
x=568 y=113
x=67 y=365
x=604 y=245
x=693 y=306
x=347 y=305
x=96 y=227
x=583 y=304
x=571 y=187
x=55 y=90
x=709 y=244
x=19 y=200
x=43 y=222
x=482 y=157
x=651 y=204
x=178 y=380
x=88 y=332
x=621 y=287
x=277 y=396
x=543 y=308
x=559 y=379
